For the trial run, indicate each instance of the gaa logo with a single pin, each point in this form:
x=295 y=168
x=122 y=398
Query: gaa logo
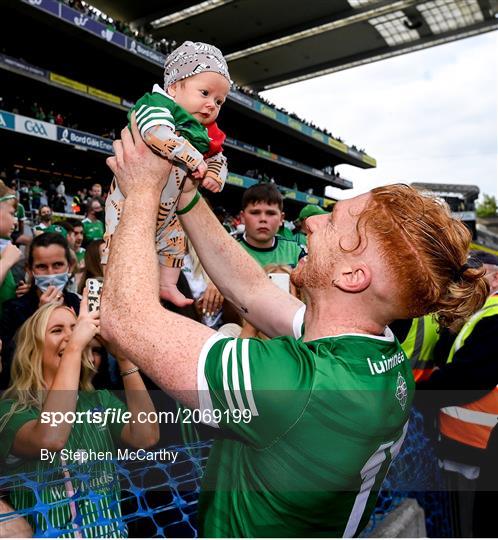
x=34 y=127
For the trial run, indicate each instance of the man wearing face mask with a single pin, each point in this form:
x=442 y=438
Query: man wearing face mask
x=48 y=267
x=93 y=224
x=45 y=220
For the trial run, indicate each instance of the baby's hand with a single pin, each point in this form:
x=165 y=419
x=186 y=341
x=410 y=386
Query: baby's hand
x=201 y=170
x=210 y=184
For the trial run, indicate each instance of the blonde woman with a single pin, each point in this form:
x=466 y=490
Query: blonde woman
x=51 y=420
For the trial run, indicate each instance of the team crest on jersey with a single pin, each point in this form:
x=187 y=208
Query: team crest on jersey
x=401 y=391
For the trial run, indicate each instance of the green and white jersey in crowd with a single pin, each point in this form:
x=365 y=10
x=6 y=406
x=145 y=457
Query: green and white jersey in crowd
x=96 y=482
x=93 y=230
x=8 y=285
x=301 y=238
x=283 y=251
x=41 y=227
x=20 y=212
x=328 y=417
x=80 y=254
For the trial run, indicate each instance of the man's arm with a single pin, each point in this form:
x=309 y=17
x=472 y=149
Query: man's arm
x=166 y=346
x=236 y=274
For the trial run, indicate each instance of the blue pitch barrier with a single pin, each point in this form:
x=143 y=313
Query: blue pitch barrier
x=160 y=500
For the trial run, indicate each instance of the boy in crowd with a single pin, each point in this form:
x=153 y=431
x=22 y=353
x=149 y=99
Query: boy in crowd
x=179 y=122
x=262 y=216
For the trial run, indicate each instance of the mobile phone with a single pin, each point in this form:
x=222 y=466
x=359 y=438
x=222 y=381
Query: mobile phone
x=281 y=280
x=94 y=288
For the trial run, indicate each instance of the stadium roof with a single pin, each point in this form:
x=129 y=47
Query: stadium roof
x=277 y=42
x=463 y=191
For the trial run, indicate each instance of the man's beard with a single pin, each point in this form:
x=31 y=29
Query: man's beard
x=317 y=271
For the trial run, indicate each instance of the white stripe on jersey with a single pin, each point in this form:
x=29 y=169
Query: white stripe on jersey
x=224 y=364
x=147 y=117
x=144 y=110
x=247 y=377
x=235 y=379
x=205 y=403
x=153 y=123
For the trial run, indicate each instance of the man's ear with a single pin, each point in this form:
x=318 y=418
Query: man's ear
x=354 y=279
x=282 y=217
x=242 y=217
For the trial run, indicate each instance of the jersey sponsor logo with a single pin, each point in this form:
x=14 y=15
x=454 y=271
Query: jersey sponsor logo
x=384 y=365
x=401 y=391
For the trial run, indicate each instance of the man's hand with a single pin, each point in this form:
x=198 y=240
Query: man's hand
x=140 y=162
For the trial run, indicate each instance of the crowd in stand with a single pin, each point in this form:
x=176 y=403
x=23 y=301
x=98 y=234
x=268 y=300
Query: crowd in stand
x=163 y=46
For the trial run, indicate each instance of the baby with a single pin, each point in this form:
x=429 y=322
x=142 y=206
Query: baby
x=179 y=123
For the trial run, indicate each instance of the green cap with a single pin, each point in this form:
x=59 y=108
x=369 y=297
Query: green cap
x=311 y=210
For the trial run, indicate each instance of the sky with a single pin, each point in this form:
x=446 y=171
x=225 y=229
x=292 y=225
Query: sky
x=428 y=116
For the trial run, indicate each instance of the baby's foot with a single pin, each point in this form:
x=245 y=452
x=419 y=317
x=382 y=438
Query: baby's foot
x=173 y=295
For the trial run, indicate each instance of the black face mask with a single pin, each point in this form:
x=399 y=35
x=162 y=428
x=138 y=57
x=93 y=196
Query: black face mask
x=100 y=215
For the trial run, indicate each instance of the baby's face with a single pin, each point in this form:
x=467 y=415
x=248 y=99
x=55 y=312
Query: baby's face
x=201 y=95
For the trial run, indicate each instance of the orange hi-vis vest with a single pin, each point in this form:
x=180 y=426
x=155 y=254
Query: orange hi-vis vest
x=471 y=424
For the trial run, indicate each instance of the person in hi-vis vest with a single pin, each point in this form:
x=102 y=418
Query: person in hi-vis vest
x=419 y=346
x=467 y=399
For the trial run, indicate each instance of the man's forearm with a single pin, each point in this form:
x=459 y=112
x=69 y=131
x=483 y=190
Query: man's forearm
x=232 y=270
x=132 y=274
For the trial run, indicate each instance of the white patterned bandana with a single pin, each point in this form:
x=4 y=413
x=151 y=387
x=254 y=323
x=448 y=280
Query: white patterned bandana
x=191 y=58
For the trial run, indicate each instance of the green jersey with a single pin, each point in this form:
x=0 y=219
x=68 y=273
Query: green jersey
x=301 y=238
x=80 y=254
x=7 y=288
x=283 y=251
x=20 y=212
x=93 y=230
x=37 y=192
x=327 y=418
x=41 y=227
x=97 y=481
x=157 y=108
